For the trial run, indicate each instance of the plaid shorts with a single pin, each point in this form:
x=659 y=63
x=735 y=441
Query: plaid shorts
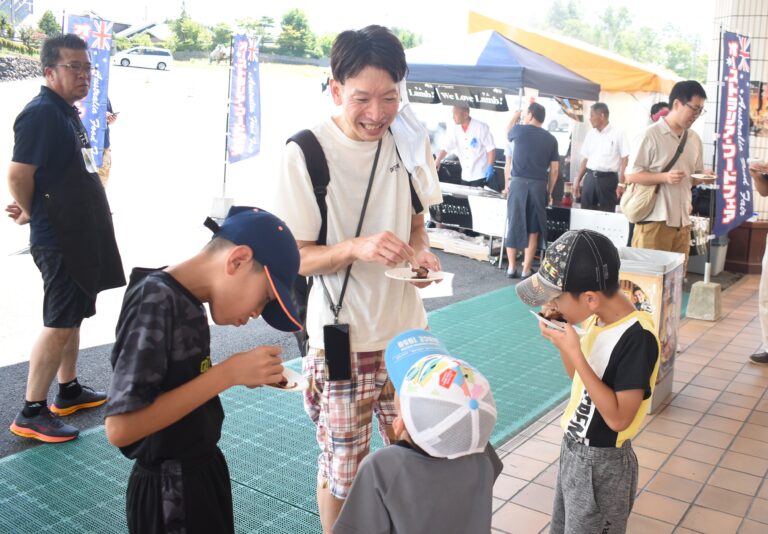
x=343 y=414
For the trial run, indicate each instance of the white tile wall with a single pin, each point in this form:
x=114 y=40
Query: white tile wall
x=749 y=17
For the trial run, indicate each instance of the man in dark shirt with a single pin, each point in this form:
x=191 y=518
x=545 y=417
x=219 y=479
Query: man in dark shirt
x=531 y=169
x=55 y=189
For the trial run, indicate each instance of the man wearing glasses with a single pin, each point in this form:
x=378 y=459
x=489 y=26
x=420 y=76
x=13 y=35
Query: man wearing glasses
x=668 y=226
x=53 y=181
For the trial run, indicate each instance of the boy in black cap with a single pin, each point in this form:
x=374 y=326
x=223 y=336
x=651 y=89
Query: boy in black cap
x=163 y=408
x=613 y=367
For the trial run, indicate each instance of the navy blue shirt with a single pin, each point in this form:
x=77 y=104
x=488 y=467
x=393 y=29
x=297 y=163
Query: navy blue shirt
x=44 y=136
x=535 y=150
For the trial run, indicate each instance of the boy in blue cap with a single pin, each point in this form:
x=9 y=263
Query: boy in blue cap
x=439 y=476
x=163 y=408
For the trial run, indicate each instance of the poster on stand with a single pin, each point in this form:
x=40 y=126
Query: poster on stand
x=244 y=124
x=733 y=204
x=97 y=33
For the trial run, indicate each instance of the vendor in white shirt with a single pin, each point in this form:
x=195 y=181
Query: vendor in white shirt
x=605 y=153
x=472 y=142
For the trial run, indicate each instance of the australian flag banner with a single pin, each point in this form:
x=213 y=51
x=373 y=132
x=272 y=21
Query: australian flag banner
x=93 y=108
x=733 y=204
x=244 y=135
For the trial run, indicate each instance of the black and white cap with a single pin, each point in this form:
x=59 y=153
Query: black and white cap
x=580 y=260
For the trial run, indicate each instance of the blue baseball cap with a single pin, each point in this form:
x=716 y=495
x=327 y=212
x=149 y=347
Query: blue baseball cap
x=274 y=247
x=407 y=348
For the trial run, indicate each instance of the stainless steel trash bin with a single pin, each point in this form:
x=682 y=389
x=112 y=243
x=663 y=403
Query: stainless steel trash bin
x=653 y=281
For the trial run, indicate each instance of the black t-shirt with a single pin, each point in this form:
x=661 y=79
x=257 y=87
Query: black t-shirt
x=624 y=356
x=535 y=150
x=44 y=136
x=162 y=341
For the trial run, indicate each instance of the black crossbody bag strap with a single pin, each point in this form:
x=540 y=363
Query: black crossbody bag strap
x=674 y=159
x=336 y=308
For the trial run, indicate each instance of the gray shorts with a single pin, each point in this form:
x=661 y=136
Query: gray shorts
x=595 y=489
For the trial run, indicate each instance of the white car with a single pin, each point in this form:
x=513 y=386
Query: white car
x=144 y=56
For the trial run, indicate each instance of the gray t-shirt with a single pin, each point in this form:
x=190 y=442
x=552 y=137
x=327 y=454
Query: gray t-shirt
x=400 y=490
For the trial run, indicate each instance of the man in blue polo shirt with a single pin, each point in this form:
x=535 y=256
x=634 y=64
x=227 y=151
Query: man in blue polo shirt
x=53 y=181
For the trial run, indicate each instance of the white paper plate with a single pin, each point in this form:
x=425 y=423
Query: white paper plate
x=296 y=381
x=705 y=177
x=557 y=325
x=406 y=275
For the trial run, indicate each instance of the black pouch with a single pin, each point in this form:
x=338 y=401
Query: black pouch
x=337 y=354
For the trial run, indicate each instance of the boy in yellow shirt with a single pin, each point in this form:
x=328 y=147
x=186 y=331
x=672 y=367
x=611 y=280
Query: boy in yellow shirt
x=613 y=367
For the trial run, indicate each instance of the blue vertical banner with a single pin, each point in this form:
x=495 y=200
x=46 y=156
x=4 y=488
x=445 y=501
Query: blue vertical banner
x=733 y=202
x=244 y=129
x=93 y=108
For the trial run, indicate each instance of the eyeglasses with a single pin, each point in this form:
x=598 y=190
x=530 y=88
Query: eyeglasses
x=85 y=68
x=696 y=110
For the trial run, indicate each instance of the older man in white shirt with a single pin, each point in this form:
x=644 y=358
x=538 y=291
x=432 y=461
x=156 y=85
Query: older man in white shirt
x=605 y=153
x=472 y=141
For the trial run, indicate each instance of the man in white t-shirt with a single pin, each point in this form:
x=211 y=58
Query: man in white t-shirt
x=605 y=153
x=367 y=67
x=472 y=141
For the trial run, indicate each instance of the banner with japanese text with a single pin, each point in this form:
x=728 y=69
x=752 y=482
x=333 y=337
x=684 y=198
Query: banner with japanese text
x=244 y=134
x=93 y=108
x=733 y=202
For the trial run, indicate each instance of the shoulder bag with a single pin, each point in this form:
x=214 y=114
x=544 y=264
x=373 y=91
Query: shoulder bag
x=638 y=200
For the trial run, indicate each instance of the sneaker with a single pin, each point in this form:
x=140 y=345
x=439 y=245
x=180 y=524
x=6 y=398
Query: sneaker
x=88 y=398
x=512 y=273
x=45 y=426
x=526 y=275
x=759 y=357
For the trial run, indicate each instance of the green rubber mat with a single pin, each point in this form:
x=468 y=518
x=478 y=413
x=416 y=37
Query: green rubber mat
x=269 y=441
x=497 y=334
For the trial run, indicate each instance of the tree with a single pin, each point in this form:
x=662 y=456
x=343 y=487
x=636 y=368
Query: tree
x=560 y=14
x=222 y=33
x=612 y=27
x=261 y=27
x=48 y=24
x=407 y=37
x=683 y=54
x=296 y=39
x=325 y=43
x=6 y=30
x=27 y=36
x=189 y=35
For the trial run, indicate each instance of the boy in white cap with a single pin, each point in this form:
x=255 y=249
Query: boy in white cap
x=613 y=367
x=439 y=476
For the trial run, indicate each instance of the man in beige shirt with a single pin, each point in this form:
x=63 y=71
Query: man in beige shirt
x=668 y=226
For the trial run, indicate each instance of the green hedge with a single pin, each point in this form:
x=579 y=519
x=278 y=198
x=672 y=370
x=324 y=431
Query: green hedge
x=14 y=46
